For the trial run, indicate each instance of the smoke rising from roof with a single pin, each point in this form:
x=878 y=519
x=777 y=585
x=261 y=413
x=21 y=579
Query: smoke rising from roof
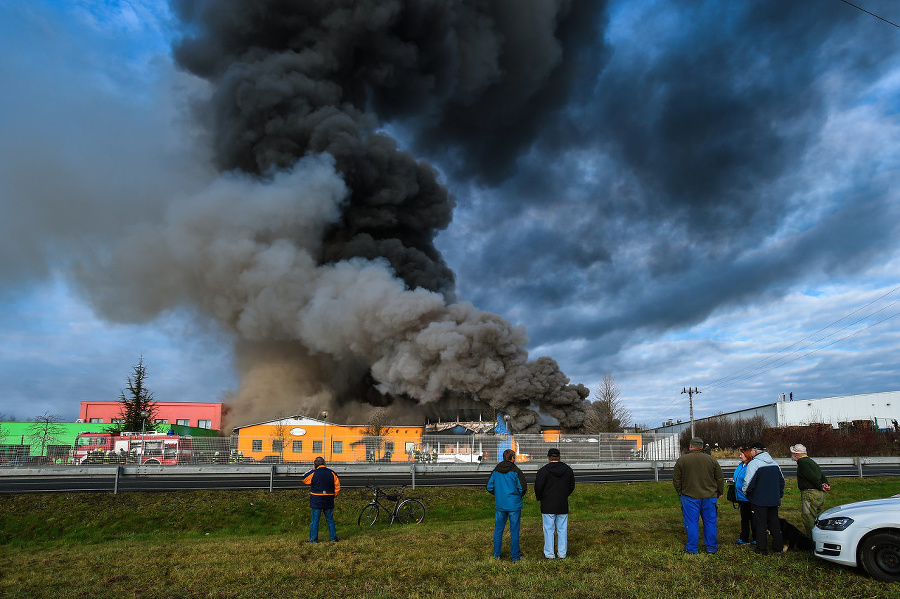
x=315 y=245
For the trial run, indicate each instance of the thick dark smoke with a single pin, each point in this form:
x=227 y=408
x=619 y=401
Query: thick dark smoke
x=316 y=245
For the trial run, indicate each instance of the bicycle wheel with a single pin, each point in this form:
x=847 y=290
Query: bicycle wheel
x=368 y=515
x=410 y=511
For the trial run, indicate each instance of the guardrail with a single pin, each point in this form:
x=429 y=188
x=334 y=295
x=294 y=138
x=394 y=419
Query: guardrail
x=859 y=465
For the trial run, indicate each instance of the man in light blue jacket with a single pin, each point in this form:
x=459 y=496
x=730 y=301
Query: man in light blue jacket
x=507 y=485
x=764 y=487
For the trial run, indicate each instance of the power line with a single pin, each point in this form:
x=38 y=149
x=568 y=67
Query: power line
x=777 y=360
x=871 y=13
x=783 y=361
x=757 y=365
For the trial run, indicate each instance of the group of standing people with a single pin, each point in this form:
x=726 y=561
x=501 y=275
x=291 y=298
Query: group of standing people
x=697 y=477
x=553 y=484
x=759 y=488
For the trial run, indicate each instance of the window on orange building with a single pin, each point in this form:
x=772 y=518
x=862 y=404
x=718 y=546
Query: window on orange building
x=257 y=444
x=317 y=447
x=337 y=447
x=277 y=445
x=298 y=447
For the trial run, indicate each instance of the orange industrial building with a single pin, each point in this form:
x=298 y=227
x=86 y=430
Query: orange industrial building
x=301 y=439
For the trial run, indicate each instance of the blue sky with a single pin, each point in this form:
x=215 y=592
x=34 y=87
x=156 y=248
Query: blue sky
x=716 y=184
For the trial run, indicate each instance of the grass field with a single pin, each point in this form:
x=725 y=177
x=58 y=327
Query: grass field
x=625 y=540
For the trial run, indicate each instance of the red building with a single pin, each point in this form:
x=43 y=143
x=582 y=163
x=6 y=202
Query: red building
x=186 y=413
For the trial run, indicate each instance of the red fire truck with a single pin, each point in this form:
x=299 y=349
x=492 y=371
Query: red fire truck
x=132 y=448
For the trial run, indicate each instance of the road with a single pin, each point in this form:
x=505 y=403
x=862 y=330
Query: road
x=106 y=481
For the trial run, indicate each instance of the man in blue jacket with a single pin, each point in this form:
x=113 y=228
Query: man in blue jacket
x=507 y=485
x=764 y=487
x=324 y=486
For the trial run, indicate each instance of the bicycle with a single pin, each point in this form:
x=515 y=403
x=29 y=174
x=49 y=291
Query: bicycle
x=406 y=511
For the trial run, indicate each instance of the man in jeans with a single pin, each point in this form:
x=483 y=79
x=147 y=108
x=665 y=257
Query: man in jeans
x=812 y=484
x=554 y=483
x=507 y=485
x=699 y=481
x=764 y=487
x=324 y=486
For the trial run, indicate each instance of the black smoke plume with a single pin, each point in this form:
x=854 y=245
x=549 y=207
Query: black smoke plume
x=316 y=244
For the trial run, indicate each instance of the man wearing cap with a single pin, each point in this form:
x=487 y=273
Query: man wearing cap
x=812 y=484
x=553 y=484
x=699 y=481
x=764 y=487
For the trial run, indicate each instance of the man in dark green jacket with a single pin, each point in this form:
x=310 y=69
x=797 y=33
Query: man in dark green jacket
x=812 y=484
x=699 y=481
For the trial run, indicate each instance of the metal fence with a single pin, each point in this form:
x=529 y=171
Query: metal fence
x=439 y=449
x=429 y=449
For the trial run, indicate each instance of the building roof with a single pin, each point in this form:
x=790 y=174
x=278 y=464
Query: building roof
x=460 y=428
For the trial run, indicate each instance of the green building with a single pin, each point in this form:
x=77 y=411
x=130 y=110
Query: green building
x=22 y=441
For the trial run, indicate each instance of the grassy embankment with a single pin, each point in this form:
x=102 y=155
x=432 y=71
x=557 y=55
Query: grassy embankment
x=625 y=541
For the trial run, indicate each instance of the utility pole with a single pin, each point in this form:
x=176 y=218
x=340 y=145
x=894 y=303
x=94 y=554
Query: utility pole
x=690 y=393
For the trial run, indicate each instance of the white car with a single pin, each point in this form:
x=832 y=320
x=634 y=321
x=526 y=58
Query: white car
x=865 y=534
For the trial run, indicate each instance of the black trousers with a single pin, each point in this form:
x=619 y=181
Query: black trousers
x=748 y=527
x=767 y=517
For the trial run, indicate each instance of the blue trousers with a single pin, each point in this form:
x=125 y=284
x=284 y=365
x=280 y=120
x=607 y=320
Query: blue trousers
x=560 y=522
x=314 y=524
x=692 y=510
x=515 y=518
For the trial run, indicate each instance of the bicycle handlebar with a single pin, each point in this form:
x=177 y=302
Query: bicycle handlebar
x=379 y=493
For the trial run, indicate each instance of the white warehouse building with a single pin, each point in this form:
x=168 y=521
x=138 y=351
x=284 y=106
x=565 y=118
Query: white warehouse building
x=882 y=409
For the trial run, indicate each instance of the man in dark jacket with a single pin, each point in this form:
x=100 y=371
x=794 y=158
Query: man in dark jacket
x=699 y=481
x=764 y=487
x=324 y=486
x=554 y=483
x=507 y=485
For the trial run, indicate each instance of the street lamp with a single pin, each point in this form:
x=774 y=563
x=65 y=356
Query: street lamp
x=144 y=414
x=325 y=434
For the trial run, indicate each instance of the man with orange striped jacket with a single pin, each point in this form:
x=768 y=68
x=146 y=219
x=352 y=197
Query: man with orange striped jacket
x=324 y=486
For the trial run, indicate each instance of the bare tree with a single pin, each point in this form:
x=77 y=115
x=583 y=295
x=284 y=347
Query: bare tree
x=45 y=431
x=607 y=414
x=374 y=432
x=280 y=432
x=138 y=399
